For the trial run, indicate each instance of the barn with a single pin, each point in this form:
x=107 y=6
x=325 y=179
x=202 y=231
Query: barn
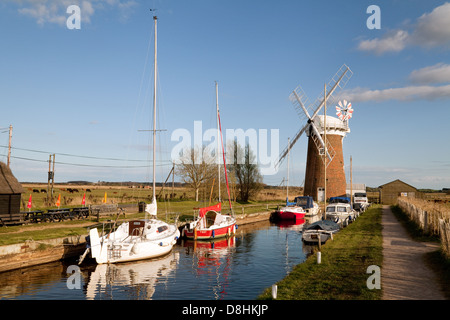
x=390 y=191
x=10 y=193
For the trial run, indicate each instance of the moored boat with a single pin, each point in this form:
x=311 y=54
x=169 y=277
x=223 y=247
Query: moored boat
x=138 y=239
x=321 y=230
x=210 y=224
x=133 y=240
x=308 y=204
x=303 y=206
x=340 y=211
x=291 y=211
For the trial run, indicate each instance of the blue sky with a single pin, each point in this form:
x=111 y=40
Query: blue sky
x=84 y=94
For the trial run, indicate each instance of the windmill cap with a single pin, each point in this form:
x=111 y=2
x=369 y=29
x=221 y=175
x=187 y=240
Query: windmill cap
x=334 y=125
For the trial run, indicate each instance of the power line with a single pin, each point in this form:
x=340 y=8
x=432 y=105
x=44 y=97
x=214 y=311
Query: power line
x=74 y=155
x=91 y=165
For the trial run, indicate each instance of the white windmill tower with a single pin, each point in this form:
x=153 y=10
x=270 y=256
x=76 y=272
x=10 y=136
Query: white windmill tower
x=325 y=160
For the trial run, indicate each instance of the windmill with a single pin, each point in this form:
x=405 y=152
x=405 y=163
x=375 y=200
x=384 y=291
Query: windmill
x=325 y=136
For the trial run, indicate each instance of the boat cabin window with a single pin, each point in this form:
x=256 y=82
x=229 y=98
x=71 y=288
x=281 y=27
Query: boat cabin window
x=162 y=229
x=341 y=209
x=331 y=209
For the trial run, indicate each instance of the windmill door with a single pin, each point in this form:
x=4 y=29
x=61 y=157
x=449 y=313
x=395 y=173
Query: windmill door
x=320 y=194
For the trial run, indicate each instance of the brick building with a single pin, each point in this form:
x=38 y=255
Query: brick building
x=315 y=169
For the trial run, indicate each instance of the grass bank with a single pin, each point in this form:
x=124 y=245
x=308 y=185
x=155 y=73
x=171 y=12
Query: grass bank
x=342 y=275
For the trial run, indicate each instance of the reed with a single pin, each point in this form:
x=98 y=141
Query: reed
x=431 y=217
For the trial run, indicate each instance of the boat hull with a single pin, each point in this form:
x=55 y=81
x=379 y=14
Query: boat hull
x=123 y=248
x=291 y=214
x=319 y=231
x=314 y=236
x=209 y=233
x=148 y=251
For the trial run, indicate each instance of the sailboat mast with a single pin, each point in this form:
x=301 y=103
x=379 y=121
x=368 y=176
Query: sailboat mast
x=218 y=133
x=155 y=18
x=287 y=182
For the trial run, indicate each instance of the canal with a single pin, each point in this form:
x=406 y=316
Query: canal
x=240 y=267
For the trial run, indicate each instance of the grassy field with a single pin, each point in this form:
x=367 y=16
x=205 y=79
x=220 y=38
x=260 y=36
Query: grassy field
x=71 y=196
x=181 y=207
x=183 y=210
x=342 y=273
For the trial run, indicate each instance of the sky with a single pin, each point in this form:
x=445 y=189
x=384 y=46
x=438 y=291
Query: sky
x=85 y=94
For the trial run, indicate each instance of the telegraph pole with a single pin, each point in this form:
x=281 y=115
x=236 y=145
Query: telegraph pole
x=173 y=180
x=9 y=145
x=53 y=174
x=325 y=143
x=351 y=184
x=51 y=177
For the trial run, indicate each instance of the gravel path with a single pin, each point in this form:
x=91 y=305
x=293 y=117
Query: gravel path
x=404 y=275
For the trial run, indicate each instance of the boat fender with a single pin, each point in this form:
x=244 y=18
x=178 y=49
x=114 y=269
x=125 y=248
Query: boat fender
x=161 y=244
x=213 y=233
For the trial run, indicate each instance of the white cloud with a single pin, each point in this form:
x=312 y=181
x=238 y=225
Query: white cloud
x=439 y=73
x=403 y=94
x=433 y=29
x=54 y=11
x=430 y=30
x=392 y=42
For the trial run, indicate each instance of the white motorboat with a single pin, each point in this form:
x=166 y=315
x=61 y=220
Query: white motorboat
x=360 y=201
x=321 y=230
x=340 y=211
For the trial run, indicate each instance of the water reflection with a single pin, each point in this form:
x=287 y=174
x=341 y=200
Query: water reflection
x=240 y=267
x=28 y=281
x=140 y=278
x=212 y=260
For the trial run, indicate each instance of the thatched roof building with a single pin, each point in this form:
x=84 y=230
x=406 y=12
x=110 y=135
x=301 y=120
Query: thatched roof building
x=10 y=193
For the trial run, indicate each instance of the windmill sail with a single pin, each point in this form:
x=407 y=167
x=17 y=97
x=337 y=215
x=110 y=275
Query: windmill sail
x=307 y=112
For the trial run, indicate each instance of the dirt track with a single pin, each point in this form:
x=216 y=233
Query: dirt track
x=404 y=275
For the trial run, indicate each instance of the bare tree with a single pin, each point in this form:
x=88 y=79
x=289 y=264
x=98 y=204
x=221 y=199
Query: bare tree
x=245 y=171
x=196 y=168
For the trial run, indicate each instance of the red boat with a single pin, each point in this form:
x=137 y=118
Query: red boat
x=302 y=205
x=210 y=224
x=291 y=213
